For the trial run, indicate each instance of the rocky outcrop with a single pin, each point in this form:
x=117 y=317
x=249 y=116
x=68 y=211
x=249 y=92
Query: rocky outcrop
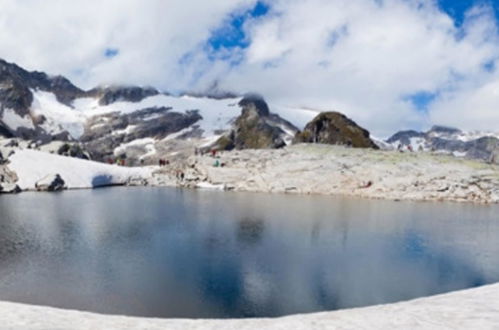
x=335 y=128
x=16 y=96
x=112 y=94
x=73 y=150
x=52 y=182
x=485 y=148
x=17 y=82
x=256 y=128
x=8 y=180
x=9 y=188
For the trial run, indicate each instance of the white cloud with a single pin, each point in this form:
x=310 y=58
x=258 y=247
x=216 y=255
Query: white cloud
x=71 y=37
x=361 y=57
x=364 y=59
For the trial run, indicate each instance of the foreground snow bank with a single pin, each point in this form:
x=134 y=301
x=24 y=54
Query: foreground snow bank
x=32 y=166
x=469 y=309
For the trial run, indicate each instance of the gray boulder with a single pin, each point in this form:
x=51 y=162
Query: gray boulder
x=73 y=150
x=9 y=188
x=50 y=183
x=8 y=181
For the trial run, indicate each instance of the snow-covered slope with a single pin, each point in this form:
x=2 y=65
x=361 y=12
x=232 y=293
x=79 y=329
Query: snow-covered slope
x=58 y=117
x=217 y=114
x=175 y=124
x=32 y=166
x=108 y=129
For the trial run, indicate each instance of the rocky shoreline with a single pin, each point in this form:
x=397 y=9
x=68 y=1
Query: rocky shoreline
x=336 y=170
x=298 y=169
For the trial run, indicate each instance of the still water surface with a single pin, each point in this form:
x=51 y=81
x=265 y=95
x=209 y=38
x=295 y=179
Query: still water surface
x=182 y=253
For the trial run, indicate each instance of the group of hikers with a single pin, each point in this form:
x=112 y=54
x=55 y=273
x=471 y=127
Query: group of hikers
x=408 y=147
x=118 y=161
x=121 y=160
x=213 y=152
x=179 y=174
x=162 y=162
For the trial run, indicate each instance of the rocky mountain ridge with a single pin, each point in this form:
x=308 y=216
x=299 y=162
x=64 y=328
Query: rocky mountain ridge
x=17 y=97
x=482 y=146
x=141 y=125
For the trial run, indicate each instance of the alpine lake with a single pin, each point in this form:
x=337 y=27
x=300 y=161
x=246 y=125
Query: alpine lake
x=176 y=253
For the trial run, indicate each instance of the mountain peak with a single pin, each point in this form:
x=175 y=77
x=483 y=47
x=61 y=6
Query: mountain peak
x=114 y=93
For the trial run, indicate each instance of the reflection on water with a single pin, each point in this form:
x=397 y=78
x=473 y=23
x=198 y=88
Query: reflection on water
x=180 y=253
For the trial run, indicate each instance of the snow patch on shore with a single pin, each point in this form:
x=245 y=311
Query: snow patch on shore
x=31 y=166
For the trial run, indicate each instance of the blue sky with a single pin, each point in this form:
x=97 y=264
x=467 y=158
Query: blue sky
x=457 y=8
x=231 y=34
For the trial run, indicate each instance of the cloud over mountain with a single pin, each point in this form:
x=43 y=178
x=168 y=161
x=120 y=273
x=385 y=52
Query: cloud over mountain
x=388 y=64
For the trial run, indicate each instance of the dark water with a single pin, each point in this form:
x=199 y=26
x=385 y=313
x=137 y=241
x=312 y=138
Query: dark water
x=181 y=253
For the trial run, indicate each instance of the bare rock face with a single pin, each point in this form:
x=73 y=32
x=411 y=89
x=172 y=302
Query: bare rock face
x=335 y=128
x=256 y=127
x=50 y=183
x=404 y=137
x=74 y=150
x=103 y=134
x=18 y=82
x=109 y=95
